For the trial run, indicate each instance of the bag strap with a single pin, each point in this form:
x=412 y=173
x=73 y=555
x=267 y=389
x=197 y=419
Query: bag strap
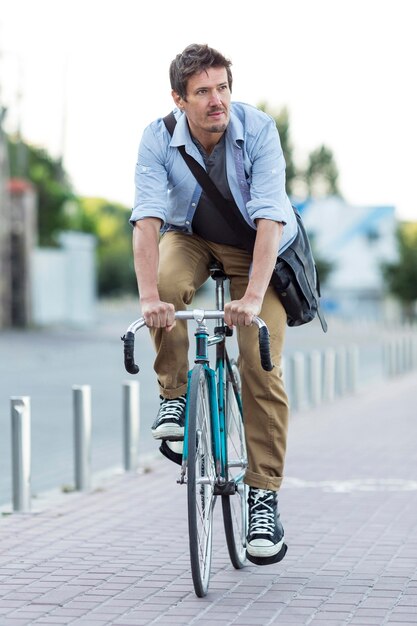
x=239 y=224
x=228 y=207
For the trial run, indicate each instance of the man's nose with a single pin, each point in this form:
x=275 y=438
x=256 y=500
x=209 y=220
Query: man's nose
x=215 y=98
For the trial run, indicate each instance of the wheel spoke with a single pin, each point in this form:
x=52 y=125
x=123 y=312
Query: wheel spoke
x=201 y=476
x=235 y=506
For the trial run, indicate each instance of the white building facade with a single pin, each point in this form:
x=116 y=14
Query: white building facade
x=357 y=240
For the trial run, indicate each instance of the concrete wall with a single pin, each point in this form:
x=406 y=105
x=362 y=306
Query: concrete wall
x=64 y=282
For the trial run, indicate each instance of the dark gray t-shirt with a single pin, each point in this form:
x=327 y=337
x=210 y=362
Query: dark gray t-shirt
x=208 y=221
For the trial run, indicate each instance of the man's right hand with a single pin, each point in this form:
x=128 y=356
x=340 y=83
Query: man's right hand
x=158 y=314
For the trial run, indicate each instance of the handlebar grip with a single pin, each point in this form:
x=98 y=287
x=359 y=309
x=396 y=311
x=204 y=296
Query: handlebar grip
x=129 y=346
x=264 y=349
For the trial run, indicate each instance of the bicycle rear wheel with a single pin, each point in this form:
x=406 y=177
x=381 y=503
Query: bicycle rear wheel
x=235 y=508
x=200 y=480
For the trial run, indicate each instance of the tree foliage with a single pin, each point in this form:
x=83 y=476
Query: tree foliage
x=282 y=121
x=319 y=177
x=52 y=186
x=109 y=222
x=59 y=209
x=321 y=174
x=401 y=276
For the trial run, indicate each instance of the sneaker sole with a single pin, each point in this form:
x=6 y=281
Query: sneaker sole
x=169 y=432
x=265 y=551
x=269 y=560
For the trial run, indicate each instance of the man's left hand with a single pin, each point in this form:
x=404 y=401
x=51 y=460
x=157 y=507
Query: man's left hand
x=241 y=312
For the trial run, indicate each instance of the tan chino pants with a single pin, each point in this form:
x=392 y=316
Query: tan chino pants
x=183 y=268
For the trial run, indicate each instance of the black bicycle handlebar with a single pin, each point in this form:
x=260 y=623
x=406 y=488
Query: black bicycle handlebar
x=129 y=349
x=198 y=315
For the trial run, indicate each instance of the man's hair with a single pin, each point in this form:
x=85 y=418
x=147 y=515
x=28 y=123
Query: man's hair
x=193 y=60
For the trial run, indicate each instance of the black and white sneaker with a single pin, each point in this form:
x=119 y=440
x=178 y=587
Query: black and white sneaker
x=169 y=423
x=265 y=540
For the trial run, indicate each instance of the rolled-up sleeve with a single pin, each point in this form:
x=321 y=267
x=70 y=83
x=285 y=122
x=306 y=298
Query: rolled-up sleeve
x=151 y=184
x=269 y=199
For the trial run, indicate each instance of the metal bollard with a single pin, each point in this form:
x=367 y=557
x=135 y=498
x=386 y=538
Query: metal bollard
x=82 y=436
x=399 y=355
x=21 y=457
x=329 y=367
x=298 y=381
x=315 y=377
x=352 y=368
x=131 y=421
x=341 y=371
x=414 y=352
x=389 y=357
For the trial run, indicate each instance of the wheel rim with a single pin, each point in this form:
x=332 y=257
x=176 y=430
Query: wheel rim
x=201 y=477
x=235 y=507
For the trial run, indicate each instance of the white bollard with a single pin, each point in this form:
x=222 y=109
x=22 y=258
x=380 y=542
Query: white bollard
x=131 y=421
x=341 y=371
x=408 y=357
x=390 y=357
x=82 y=436
x=315 y=377
x=352 y=368
x=414 y=352
x=329 y=366
x=21 y=453
x=399 y=356
x=298 y=381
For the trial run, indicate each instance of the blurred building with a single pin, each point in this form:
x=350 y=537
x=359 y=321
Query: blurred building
x=356 y=240
x=40 y=286
x=5 y=226
x=22 y=239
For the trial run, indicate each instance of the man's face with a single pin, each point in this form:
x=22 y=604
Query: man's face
x=207 y=106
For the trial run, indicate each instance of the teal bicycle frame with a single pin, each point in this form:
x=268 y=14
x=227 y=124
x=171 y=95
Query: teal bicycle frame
x=217 y=397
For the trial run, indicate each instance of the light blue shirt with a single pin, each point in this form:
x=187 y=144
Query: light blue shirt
x=255 y=165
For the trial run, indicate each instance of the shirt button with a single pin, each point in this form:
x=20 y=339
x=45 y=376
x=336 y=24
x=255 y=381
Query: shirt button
x=193 y=204
x=187 y=223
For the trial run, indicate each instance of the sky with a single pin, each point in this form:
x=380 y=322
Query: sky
x=83 y=78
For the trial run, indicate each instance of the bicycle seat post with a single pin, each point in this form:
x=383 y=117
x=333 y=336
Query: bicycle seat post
x=218 y=274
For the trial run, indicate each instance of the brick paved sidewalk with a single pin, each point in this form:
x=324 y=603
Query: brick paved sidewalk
x=118 y=556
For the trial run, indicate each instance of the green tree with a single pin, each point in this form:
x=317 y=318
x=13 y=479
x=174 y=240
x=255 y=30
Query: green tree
x=282 y=121
x=319 y=177
x=321 y=174
x=109 y=222
x=401 y=275
x=52 y=186
x=59 y=208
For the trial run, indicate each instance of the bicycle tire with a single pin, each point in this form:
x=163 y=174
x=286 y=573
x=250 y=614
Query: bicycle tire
x=200 y=480
x=235 y=507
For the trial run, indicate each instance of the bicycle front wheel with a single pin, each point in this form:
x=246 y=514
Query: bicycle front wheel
x=200 y=480
x=235 y=507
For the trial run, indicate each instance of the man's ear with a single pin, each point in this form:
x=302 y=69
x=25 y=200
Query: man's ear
x=177 y=99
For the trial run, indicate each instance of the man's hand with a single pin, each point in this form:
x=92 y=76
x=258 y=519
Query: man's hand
x=241 y=312
x=158 y=314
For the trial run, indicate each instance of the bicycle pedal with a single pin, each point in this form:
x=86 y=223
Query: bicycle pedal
x=225 y=489
x=269 y=560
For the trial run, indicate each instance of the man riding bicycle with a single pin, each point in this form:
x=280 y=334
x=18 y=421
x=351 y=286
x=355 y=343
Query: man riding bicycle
x=239 y=147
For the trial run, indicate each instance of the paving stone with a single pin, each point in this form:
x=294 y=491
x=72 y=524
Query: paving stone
x=352 y=555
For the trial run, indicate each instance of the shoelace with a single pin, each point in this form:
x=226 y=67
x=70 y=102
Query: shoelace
x=172 y=408
x=262 y=514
